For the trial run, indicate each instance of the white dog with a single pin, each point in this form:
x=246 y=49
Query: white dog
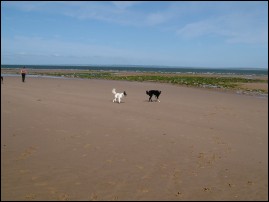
x=118 y=96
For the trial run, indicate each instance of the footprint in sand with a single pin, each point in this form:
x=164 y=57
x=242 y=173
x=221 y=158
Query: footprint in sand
x=163 y=166
x=176 y=177
x=24 y=171
x=143 y=190
x=178 y=194
x=207 y=159
x=145 y=177
x=30 y=196
x=206 y=189
x=26 y=153
x=64 y=197
x=109 y=161
x=94 y=197
x=249 y=182
x=139 y=167
x=87 y=146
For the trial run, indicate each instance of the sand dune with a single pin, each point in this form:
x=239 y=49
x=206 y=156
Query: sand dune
x=64 y=139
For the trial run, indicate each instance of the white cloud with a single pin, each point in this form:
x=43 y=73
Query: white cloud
x=39 y=50
x=27 y=6
x=40 y=47
x=125 y=4
x=118 y=12
x=157 y=18
x=240 y=28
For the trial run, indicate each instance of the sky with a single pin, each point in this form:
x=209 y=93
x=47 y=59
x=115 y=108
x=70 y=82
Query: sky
x=211 y=34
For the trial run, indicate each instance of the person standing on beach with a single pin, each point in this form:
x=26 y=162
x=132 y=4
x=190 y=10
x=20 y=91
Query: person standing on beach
x=23 y=73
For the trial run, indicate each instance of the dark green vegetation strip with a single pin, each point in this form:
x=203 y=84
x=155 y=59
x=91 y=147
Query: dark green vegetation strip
x=197 y=81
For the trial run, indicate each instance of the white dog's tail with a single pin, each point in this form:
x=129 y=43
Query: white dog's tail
x=114 y=91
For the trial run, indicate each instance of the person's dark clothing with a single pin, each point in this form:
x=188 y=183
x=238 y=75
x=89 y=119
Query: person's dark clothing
x=23 y=77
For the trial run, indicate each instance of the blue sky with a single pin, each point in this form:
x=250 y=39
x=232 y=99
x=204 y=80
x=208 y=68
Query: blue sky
x=171 y=33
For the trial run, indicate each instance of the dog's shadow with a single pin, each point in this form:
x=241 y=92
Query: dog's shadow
x=121 y=102
x=150 y=101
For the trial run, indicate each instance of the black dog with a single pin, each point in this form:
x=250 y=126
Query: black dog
x=153 y=92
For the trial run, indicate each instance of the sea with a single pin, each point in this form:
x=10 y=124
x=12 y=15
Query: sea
x=149 y=68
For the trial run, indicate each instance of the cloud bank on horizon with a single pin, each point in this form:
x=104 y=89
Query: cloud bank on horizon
x=195 y=34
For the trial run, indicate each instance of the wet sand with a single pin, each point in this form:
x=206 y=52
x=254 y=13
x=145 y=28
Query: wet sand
x=64 y=139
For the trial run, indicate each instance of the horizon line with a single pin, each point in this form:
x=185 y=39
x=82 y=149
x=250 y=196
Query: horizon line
x=146 y=66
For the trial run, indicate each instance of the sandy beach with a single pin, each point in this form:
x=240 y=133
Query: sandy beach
x=64 y=139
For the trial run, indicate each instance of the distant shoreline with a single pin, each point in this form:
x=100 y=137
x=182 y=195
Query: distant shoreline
x=241 y=84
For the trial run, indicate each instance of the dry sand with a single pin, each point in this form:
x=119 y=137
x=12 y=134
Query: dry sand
x=64 y=139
